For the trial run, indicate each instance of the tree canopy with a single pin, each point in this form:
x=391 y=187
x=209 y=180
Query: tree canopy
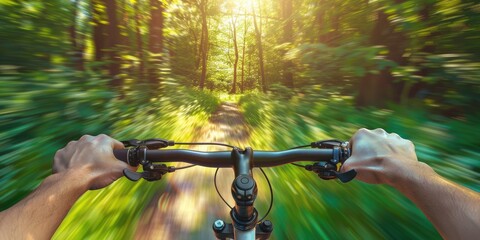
x=401 y=51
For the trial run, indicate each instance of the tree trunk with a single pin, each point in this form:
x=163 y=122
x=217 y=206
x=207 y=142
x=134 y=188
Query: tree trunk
x=99 y=30
x=235 y=63
x=123 y=20
x=320 y=21
x=204 y=42
x=378 y=89
x=141 y=67
x=156 y=40
x=243 y=53
x=258 y=37
x=428 y=48
x=76 y=41
x=113 y=41
x=287 y=8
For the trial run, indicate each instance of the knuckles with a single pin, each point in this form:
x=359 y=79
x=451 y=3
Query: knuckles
x=379 y=130
x=360 y=133
x=102 y=136
x=85 y=137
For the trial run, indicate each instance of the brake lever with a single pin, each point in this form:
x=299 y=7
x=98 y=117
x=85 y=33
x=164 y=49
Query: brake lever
x=151 y=172
x=131 y=175
x=327 y=171
x=346 y=176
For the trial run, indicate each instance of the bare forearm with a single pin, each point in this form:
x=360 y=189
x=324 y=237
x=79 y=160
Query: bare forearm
x=453 y=209
x=40 y=214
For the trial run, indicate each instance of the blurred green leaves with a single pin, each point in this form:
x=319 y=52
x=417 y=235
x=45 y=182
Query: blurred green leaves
x=321 y=64
x=39 y=113
x=43 y=105
x=177 y=113
x=33 y=32
x=355 y=210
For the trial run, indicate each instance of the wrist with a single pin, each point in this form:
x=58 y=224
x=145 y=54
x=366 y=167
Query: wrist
x=407 y=175
x=78 y=179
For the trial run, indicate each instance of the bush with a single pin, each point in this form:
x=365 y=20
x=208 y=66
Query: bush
x=360 y=210
x=41 y=112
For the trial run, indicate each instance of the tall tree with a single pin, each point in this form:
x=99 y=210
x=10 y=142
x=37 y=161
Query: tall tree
x=113 y=43
x=156 y=39
x=320 y=21
x=287 y=18
x=106 y=37
x=245 y=27
x=428 y=48
x=204 y=41
x=76 y=39
x=258 y=37
x=235 y=62
x=139 y=37
x=99 y=29
x=378 y=89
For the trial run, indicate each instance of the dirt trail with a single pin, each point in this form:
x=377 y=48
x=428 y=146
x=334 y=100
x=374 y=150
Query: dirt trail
x=189 y=205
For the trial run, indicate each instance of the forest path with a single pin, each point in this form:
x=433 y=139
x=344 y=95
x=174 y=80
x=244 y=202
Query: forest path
x=189 y=205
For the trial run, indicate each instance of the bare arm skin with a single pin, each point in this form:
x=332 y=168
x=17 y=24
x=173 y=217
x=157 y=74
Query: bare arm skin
x=82 y=165
x=382 y=158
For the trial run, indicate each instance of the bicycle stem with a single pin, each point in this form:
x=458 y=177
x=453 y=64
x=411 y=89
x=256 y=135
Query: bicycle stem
x=244 y=191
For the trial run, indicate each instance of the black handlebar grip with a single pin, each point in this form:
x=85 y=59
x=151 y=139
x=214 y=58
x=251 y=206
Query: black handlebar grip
x=121 y=154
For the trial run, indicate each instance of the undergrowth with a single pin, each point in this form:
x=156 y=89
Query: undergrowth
x=41 y=112
x=333 y=210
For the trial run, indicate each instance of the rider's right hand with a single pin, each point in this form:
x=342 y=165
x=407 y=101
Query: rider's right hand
x=380 y=157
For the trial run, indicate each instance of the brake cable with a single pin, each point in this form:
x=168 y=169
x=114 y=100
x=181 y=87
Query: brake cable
x=216 y=188
x=271 y=195
x=204 y=143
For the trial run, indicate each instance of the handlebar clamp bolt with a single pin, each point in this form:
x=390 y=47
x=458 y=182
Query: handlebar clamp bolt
x=266 y=226
x=218 y=225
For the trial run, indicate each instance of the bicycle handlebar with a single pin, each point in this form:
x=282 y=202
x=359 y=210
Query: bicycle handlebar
x=223 y=159
x=329 y=155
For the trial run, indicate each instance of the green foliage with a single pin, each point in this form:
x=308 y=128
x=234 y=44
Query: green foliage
x=436 y=71
x=452 y=83
x=176 y=114
x=41 y=112
x=332 y=66
x=33 y=32
x=354 y=210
